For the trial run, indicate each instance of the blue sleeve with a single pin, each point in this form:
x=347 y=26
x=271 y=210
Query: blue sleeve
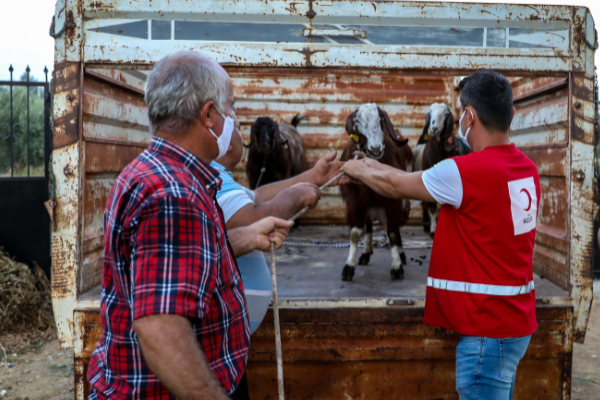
x=232 y=196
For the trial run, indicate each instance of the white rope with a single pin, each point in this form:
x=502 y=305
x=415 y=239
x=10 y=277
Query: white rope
x=277 y=326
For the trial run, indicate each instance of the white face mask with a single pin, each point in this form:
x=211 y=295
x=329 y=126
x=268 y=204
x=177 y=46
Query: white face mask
x=460 y=132
x=225 y=138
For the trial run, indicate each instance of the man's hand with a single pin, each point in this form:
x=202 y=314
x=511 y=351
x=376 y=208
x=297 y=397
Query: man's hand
x=307 y=192
x=269 y=230
x=354 y=170
x=259 y=235
x=325 y=169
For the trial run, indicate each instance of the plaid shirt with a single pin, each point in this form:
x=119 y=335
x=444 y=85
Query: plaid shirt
x=166 y=252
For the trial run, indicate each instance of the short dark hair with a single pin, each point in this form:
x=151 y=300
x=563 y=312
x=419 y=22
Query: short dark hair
x=490 y=94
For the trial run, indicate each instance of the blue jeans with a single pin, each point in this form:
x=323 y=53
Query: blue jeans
x=486 y=367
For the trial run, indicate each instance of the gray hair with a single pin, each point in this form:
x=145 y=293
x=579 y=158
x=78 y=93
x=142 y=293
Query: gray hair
x=179 y=86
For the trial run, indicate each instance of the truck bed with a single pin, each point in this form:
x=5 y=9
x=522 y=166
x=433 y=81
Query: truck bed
x=310 y=263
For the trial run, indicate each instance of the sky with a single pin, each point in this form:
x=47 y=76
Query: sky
x=24 y=38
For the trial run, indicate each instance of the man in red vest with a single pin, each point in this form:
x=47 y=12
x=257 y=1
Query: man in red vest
x=480 y=282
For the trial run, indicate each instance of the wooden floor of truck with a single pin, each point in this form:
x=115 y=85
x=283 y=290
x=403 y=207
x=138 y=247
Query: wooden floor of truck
x=309 y=266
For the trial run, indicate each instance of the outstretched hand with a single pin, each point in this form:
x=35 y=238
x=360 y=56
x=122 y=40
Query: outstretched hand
x=354 y=170
x=326 y=169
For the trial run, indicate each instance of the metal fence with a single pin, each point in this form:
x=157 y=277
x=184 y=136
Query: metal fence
x=25 y=148
x=24 y=126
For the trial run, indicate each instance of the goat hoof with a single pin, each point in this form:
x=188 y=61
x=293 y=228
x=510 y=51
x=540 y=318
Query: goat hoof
x=364 y=259
x=426 y=228
x=397 y=274
x=432 y=235
x=403 y=258
x=347 y=273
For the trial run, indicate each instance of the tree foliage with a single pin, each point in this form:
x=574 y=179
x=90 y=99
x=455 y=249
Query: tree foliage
x=17 y=142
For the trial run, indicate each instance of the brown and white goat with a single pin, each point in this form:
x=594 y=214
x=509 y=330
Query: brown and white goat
x=276 y=152
x=435 y=144
x=372 y=133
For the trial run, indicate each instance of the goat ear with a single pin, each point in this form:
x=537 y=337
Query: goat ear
x=450 y=143
x=350 y=126
x=425 y=135
x=401 y=140
x=388 y=127
x=449 y=124
x=277 y=135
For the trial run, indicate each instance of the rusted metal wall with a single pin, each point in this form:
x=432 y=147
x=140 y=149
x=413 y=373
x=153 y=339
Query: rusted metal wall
x=326 y=98
x=373 y=353
x=66 y=167
x=100 y=125
x=581 y=174
x=541 y=130
x=308 y=14
x=115 y=131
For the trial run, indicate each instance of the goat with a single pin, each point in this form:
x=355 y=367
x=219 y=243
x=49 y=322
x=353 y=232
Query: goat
x=276 y=152
x=372 y=132
x=435 y=144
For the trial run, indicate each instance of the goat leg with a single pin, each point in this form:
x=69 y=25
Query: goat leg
x=434 y=213
x=365 y=257
x=398 y=256
x=348 y=272
x=426 y=217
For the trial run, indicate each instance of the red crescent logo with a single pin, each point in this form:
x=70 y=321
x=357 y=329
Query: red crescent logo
x=529 y=196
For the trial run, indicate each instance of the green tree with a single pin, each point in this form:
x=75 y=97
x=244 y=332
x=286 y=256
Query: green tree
x=18 y=141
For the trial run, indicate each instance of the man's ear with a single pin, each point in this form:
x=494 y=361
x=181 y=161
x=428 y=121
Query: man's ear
x=471 y=114
x=514 y=111
x=207 y=114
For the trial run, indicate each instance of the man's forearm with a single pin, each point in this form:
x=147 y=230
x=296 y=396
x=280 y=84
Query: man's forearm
x=396 y=184
x=171 y=350
x=267 y=192
x=242 y=240
x=284 y=205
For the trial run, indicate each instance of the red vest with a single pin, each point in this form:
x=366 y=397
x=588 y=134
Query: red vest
x=481 y=276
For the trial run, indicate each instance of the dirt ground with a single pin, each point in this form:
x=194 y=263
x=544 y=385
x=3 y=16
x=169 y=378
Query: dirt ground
x=42 y=373
x=586 y=358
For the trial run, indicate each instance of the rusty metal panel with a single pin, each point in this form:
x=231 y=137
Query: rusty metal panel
x=115 y=131
x=326 y=98
x=541 y=34
x=371 y=353
x=541 y=130
x=581 y=185
x=100 y=125
x=87 y=333
x=389 y=353
x=68 y=16
x=66 y=167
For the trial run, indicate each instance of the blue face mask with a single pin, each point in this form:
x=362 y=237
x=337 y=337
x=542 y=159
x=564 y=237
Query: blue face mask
x=460 y=132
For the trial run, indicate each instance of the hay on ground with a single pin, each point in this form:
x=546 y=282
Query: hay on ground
x=25 y=305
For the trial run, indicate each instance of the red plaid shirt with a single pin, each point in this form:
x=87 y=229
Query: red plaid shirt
x=166 y=252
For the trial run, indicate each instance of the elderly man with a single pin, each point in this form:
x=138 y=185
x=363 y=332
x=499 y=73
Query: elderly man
x=283 y=199
x=173 y=311
x=480 y=282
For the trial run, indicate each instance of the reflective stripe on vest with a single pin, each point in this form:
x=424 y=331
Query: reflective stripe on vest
x=479 y=288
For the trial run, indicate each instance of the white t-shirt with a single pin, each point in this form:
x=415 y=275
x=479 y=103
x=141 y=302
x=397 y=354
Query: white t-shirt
x=444 y=183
